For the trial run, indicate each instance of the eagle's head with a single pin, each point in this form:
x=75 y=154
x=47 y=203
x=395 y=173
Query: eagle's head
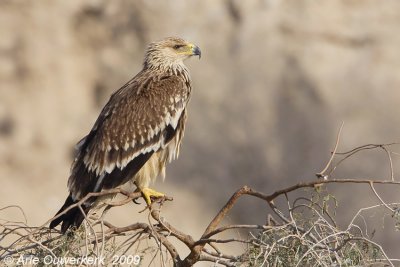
x=169 y=53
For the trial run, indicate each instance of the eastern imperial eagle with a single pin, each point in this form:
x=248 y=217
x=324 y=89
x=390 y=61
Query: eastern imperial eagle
x=138 y=131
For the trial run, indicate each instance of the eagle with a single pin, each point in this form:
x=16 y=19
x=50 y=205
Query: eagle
x=138 y=131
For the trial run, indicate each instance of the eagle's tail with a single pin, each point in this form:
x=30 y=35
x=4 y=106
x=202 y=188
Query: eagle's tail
x=72 y=218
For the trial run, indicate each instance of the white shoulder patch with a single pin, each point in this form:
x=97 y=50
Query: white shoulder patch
x=174 y=120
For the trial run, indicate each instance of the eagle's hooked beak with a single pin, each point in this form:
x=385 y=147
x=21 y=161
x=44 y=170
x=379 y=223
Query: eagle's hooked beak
x=196 y=51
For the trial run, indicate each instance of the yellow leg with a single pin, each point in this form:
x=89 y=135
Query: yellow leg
x=148 y=193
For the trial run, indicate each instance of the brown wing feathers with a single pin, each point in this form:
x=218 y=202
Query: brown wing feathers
x=135 y=123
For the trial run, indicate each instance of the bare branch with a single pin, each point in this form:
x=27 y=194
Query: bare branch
x=322 y=174
x=304 y=229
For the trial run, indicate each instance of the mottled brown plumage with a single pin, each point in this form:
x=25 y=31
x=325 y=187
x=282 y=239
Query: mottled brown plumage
x=138 y=131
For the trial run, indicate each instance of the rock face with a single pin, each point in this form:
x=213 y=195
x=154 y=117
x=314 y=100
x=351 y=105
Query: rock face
x=275 y=82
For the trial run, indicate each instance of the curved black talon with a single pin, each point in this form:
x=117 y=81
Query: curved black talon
x=135 y=201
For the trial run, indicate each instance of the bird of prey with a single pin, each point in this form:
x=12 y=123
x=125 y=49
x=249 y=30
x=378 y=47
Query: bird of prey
x=138 y=131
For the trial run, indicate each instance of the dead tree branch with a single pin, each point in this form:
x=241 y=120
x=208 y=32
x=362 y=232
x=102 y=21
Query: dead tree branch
x=317 y=237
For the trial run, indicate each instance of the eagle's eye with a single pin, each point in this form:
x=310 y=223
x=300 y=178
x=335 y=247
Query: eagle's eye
x=178 y=46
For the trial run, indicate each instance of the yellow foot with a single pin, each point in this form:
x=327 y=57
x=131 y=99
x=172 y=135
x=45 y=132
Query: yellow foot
x=148 y=193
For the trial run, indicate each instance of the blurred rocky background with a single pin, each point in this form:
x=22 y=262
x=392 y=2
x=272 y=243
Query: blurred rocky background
x=276 y=80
